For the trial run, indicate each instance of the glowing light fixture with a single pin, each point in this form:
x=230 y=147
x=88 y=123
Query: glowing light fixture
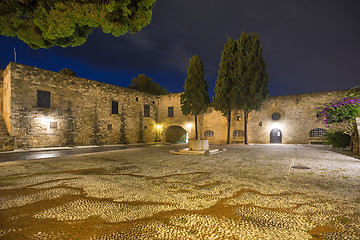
x=158 y=127
x=45 y=121
x=189 y=126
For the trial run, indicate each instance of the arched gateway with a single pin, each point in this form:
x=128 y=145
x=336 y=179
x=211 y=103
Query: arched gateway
x=175 y=134
x=275 y=136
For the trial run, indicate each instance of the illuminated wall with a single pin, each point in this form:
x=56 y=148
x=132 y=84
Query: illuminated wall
x=80 y=111
x=296 y=117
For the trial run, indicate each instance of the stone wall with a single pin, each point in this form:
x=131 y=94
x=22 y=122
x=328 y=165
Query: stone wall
x=211 y=120
x=80 y=112
x=1 y=92
x=178 y=119
x=297 y=117
x=6 y=97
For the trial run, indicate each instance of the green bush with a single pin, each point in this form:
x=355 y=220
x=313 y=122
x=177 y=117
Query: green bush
x=338 y=139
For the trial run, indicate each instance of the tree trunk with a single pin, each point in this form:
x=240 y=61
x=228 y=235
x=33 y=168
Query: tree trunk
x=228 y=130
x=355 y=140
x=196 y=128
x=246 y=115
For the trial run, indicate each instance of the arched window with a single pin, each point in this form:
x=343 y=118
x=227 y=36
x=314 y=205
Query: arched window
x=317 y=132
x=238 y=133
x=209 y=133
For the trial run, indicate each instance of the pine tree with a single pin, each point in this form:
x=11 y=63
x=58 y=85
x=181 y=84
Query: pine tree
x=44 y=23
x=143 y=83
x=251 y=79
x=223 y=100
x=195 y=99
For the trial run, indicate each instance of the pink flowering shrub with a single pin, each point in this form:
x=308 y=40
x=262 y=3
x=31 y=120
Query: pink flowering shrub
x=339 y=110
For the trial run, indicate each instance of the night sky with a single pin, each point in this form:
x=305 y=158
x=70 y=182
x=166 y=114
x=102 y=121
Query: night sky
x=309 y=45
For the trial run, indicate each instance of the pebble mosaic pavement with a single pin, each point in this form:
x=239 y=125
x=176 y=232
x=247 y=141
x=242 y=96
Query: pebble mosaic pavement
x=247 y=192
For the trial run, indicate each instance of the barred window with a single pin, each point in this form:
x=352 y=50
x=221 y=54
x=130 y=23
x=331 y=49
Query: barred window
x=109 y=127
x=170 y=111
x=146 y=110
x=209 y=133
x=317 y=132
x=238 y=133
x=53 y=125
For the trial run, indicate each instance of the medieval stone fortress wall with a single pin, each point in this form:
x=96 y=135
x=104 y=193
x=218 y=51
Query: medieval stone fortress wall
x=41 y=108
x=44 y=108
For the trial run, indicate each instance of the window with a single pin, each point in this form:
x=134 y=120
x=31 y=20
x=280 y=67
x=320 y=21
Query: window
x=275 y=116
x=146 y=110
x=209 y=133
x=238 y=133
x=53 y=125
x=317 y=132
x=114 y=107
x=170 y=111
x=109 y=127
x=137 y=99
x=43 y=99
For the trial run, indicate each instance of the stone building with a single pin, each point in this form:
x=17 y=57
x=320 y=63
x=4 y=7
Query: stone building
x=41 y=108
x=287 y=119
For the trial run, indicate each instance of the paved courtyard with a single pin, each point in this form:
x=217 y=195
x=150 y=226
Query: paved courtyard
x=247 y=192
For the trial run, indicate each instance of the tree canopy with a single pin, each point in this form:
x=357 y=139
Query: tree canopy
x=195 y=99
x=251 y=79
x=223 y=100
x=43 y=23
x=146 y=84
x=242 y=81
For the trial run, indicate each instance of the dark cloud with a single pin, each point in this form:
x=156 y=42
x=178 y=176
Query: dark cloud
x=308 y=45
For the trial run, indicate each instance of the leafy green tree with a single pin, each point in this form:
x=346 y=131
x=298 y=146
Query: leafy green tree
x=195 y=99
x=43 y=23
x=250 y=77
x=143 y=83
x=223 y=100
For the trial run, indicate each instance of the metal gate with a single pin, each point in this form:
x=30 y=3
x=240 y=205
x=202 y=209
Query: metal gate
x=275 y=136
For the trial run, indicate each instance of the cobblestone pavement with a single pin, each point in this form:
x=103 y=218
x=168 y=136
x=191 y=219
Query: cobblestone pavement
x=247 y=192
x=39 y=153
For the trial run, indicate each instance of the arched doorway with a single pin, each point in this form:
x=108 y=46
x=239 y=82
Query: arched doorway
x=175 y=134
x=275 y=136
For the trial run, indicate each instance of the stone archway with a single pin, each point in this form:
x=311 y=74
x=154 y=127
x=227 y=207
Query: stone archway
x=175 y=134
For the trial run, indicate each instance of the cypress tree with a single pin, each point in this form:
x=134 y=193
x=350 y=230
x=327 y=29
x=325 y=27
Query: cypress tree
x=223 y=100
x=195 y=99
x=251 y=79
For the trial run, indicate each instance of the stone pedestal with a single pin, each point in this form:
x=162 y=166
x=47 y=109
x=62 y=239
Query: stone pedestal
x=198 y=145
